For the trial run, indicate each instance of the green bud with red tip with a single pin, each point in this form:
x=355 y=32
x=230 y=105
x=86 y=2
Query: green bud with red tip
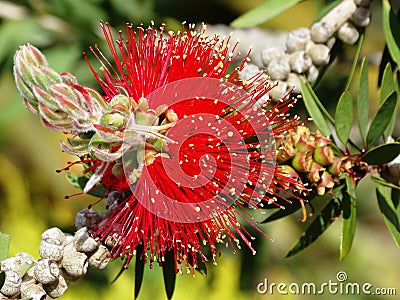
x=324 y=155
x=302 y=161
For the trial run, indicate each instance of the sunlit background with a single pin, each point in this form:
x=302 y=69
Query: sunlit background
x=32 y=194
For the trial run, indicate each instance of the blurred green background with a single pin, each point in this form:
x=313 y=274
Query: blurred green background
x=32 y=194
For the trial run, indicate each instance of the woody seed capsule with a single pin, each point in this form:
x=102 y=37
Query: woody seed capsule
x=312 y=74
x=17 y=262
x=46 y=271
x=293 y=81
x=364 y=3
x=279 y=91
x=319 y=54
x=57 y=288
x=278 y=69
x=361 y=17
x=52 y=244
x=32 y=291
x=12 y=283
x=74 y=263
x=271 y=53
x=321 y=32
x=87 y=218
x=348 y=33
x=331 y=42
x=300 y=62
x=84 y=242
x=249 y=71
x=297 y=39
x=100 y=258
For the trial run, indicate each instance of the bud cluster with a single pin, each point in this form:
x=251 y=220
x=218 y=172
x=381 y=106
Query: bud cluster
x=62 y=104
x=98 y=128
x=308 y=49
x=63 y=258
x=309 y=157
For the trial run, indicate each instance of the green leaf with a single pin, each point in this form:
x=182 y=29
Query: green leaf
x=390 y=215
x=355 y=60
x=344 y=117
x=80 y=181
x=383 y=182
x=388 y=85
x=4 y=245
x=396 y=198
x=283 y=212
x=139 y=269
x=310 y=101
x=168 y=267
x=386 y=206
x=382 y=154
x=263 y=13
x=73 y=179
x=327 y=216
x=121 y=271
x=363 y=100
x=381 y=119
x=2 y=278
x=349 y=218
x=391 y=29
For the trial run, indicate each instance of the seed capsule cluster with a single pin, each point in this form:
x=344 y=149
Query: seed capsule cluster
x=307 y=49
x=63 y=258
x=309 y=156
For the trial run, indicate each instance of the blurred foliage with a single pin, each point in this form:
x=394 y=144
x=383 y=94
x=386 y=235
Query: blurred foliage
x=32 y=195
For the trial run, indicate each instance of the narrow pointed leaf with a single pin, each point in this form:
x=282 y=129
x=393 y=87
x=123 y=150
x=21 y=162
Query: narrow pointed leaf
x=363 y=100
x=168 y=267
x=389 y=212
x=344 y=117
x=355 y=60
x=382 y=154
x=280 y=213
x=263 y=13
x=381 y=119
x=310 y=101
x=139 y=270
x=391 y=28
x=388 y=85
x=349 y=218
x=4 y=245
x=377 y=179
x=386 y=206
x=396 y=199
x=121 y=271
x=321 y=222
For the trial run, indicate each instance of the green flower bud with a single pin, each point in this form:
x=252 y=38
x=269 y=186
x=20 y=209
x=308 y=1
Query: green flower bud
x=336 y=167
x=305 y=143
x=324 y=155
x=113 y=120
x=302 y=161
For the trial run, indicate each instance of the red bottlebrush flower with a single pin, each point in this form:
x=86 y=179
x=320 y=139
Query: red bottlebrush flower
x=181 y=145
x=207 y=150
